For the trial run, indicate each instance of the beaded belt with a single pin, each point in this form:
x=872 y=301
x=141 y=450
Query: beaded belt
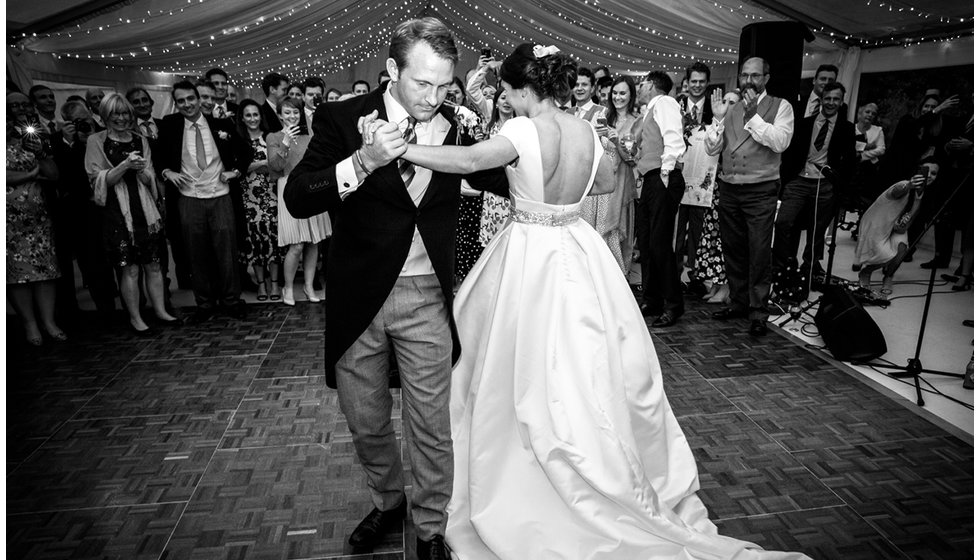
x=551 y=219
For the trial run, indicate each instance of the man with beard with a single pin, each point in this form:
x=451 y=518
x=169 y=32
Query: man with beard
x=749 y=136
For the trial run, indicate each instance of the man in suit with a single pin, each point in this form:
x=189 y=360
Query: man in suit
x=223 y=107
x=312 y=97
x=582 y=93
x=661 y=141
x=202 y=156
x=389 y=275
x=815 y=169
x=696 y=112
x=750 y=137
x=826 y=74
x=274 y=87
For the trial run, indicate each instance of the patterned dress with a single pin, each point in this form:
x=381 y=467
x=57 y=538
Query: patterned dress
x=30 y=234
x=709 y=264
x=496 y=209
x=123 y=249
x=261 y=213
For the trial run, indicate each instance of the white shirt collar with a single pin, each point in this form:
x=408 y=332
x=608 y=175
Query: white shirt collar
x=200 y=120
x=396 y=113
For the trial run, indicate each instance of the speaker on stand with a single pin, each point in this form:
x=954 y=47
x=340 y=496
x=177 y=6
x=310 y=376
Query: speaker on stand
x=780 y=43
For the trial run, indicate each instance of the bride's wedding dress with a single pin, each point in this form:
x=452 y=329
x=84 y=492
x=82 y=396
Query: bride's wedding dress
x=565 y=445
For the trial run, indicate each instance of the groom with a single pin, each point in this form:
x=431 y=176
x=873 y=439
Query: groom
x=389 y=276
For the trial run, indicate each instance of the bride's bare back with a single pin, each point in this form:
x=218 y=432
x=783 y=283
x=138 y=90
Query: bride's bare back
x=567 y=151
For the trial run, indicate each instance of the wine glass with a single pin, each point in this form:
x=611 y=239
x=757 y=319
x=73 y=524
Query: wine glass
x=628 y=143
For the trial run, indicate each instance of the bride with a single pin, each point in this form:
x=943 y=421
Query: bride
x=565 y=445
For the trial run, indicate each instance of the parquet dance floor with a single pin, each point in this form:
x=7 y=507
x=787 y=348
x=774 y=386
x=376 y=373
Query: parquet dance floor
x=222 y=441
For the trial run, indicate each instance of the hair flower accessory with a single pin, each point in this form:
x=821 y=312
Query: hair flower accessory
x=542 y=51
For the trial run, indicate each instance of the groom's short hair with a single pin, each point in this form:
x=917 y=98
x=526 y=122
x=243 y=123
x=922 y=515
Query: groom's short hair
x=428 y=29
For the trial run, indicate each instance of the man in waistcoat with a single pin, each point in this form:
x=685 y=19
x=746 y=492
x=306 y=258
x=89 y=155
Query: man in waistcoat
x=661 y=141
x=201 y=156
x=750 y=136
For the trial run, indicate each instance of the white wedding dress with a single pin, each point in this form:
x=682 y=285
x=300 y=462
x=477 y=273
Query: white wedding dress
x=565 y=445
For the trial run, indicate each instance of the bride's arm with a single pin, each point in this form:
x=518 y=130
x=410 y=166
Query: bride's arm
x=495 y=152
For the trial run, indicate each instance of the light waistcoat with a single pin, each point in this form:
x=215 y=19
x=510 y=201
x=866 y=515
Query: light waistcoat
x=743 y=160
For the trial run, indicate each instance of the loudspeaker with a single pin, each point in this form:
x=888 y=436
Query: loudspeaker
x=847 y=329
x=780 y=43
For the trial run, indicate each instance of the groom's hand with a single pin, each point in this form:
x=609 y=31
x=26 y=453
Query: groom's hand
x=386 y=145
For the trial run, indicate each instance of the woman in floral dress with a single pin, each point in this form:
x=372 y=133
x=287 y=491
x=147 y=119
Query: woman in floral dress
x=468 y=248
x=496 y=209
x=261 y=249
x=32 y=267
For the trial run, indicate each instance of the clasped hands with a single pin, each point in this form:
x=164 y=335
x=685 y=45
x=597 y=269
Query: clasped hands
x=381 y=141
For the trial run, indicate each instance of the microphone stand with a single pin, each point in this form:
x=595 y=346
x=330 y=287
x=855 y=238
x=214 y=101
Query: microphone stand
x=914 y=367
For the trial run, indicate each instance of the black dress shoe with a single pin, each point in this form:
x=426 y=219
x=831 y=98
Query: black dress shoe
x=729 y=313
x=434 y=549
x=238 y=310
x=666 y=319
x=758 y=328
x=372 y=529
x=202 y=315
x=649 y=311
x=935 y=264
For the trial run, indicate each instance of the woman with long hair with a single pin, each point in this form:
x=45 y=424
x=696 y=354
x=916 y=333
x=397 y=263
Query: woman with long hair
x=261 y=206
x=565 y=445
x=124 y=184
x=300 y=237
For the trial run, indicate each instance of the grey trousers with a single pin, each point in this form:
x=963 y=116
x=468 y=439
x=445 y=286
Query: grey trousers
x=208 y=228
x=414 y=322
x=746 y=214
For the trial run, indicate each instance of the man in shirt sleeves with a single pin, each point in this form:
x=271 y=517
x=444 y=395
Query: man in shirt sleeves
x=750 y=138
x=389 y=276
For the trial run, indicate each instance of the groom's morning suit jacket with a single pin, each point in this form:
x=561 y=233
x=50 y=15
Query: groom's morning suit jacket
x=375 y=224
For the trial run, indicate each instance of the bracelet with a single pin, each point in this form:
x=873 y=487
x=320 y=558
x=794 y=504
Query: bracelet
x=360 y=162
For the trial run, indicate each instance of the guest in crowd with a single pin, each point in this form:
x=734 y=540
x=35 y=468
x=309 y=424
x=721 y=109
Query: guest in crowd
x=333 y=94
x=94 y=96
x=295 y=91
x=468 y=247
x=312 y=97
x=883 y=239
x=124 y=183
x=261 y=249
x=202 y=155
x=869 y=145
x=826 y=74
x=661 y=139
x=475 y=82
x=496 y=208
x=602 y=87
x=97 y=274
x=612 y=216
x=582 y=94
x=299 y=236
x=223 y=107
x=748 y=181
x=360 y=87
x=699 y=169
x=45 y=104
x=274 y=87
x=32 y=266
x=816 y=171
x=205 y=93
x=955 y=186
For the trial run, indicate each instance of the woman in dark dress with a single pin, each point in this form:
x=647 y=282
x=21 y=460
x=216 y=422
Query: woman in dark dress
x=468 y=248
x=117 y=161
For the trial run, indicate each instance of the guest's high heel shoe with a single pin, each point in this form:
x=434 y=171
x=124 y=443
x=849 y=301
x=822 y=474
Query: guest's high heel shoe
x=287 y=297
x=311 y=295
x=964 y=284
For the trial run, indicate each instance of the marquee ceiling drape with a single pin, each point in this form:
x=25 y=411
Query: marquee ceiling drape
x=250 y=38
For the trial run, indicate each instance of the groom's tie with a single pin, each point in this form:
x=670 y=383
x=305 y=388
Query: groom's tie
x=405 y=167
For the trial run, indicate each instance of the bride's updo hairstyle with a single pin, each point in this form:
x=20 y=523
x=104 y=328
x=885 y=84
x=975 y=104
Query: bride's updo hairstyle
x=551 y=76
